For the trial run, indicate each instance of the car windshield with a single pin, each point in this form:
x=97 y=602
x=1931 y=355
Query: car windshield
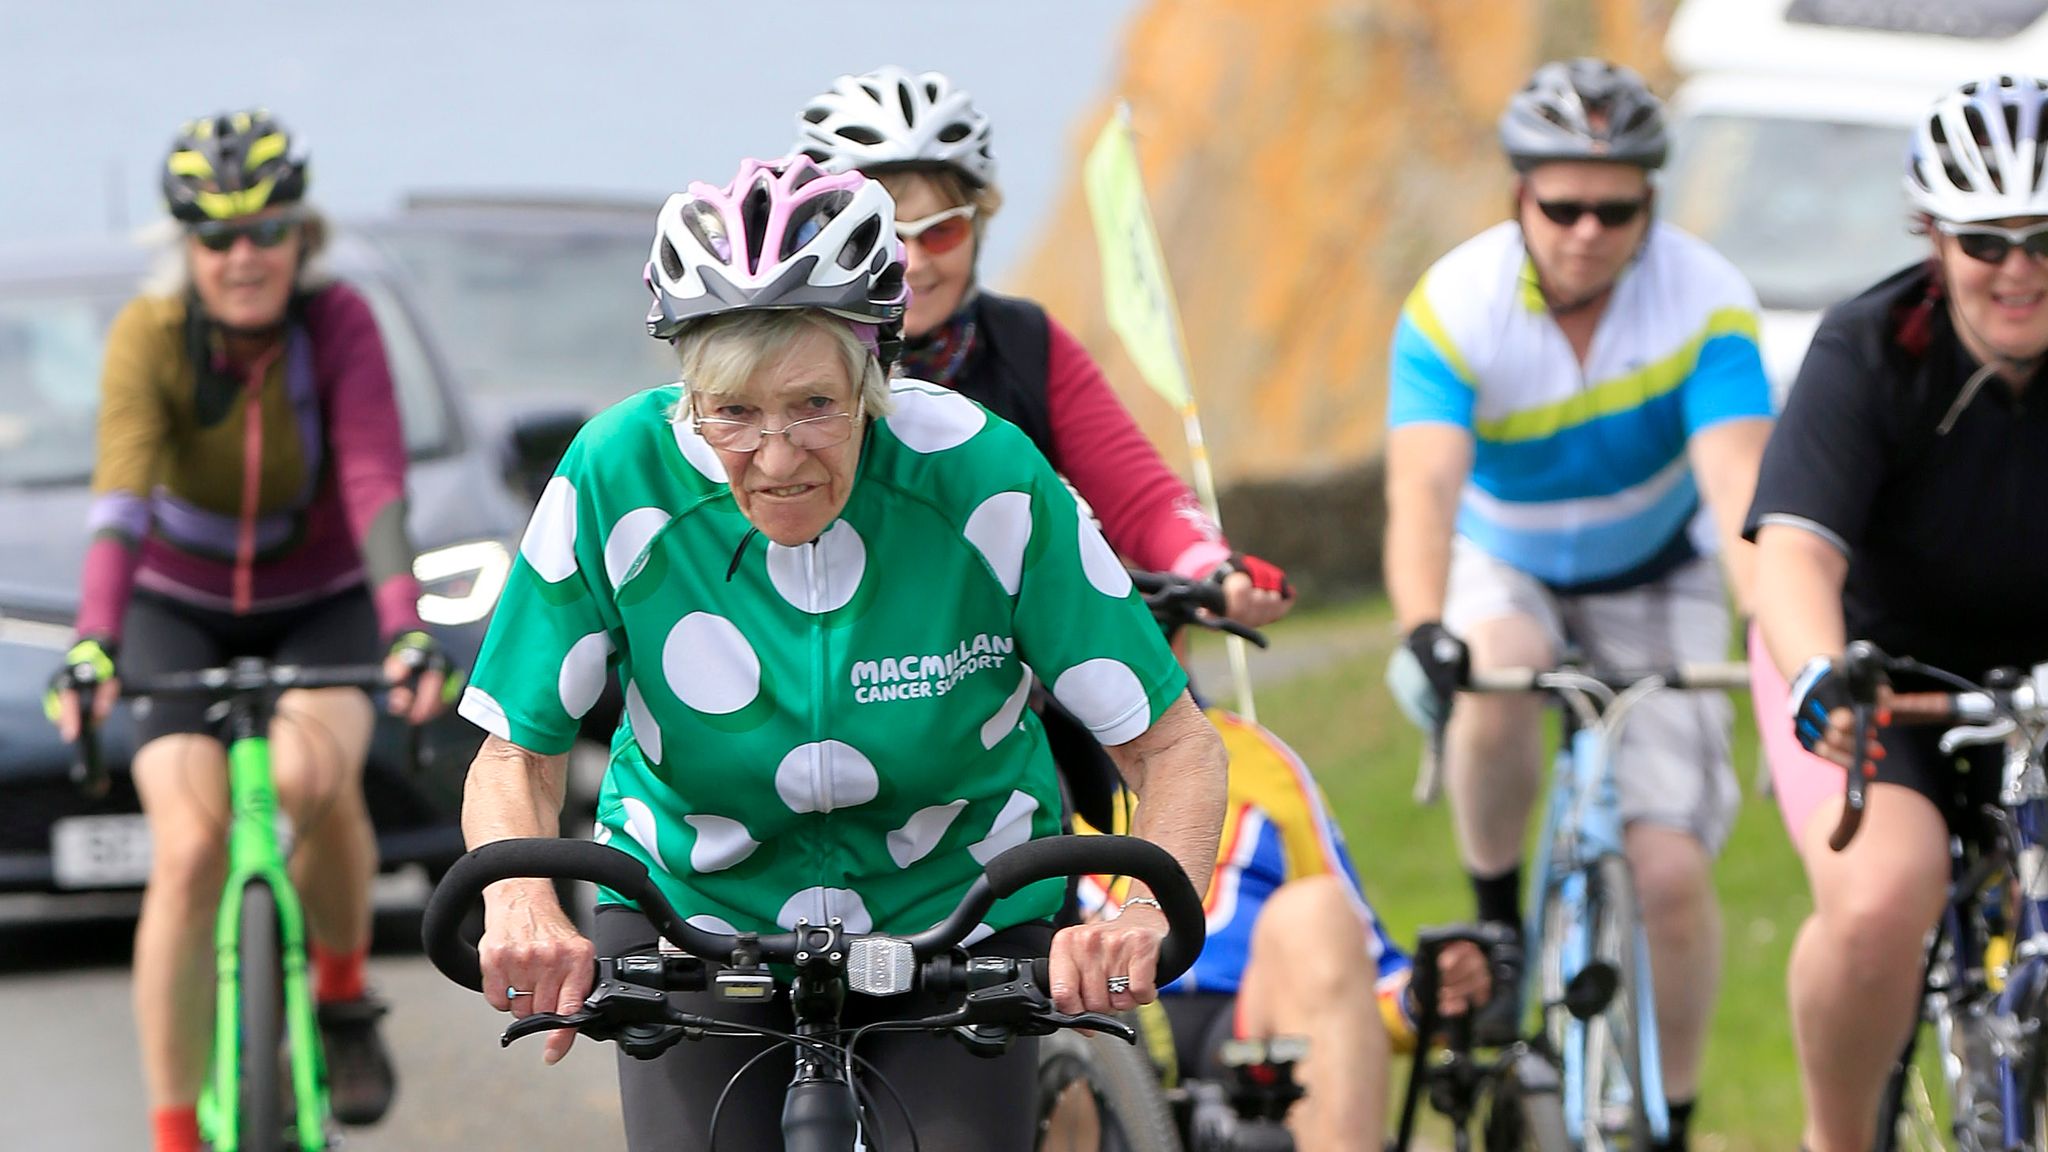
x=561 y=314
x=52 y=336
x=1811 y=211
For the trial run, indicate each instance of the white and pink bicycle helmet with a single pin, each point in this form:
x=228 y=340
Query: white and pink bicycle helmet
x=782 y=234
x=1978 y=154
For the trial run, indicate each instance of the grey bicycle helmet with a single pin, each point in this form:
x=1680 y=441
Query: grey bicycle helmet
x=893 y=117
x=1978 y=153
x=1583 y=109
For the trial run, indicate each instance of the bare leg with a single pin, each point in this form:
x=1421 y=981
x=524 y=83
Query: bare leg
x=318 y=743
x=182 y=780
x=1855 y=973
x=1681 y=917
x=1309 y=975
x=1493 y=749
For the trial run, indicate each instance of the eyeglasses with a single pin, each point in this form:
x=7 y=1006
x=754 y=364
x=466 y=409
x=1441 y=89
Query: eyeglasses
x=940 y=232
x=809 y=434
x=1610 y=213
x=268 y=232
x=1993 y=244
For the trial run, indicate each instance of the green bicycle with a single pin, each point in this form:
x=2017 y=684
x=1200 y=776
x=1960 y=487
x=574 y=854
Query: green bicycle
x=253 y=1100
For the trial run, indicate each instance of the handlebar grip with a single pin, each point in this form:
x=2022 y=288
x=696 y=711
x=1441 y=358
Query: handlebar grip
x=1056 y=857
x=459 y=890
x=88 y=768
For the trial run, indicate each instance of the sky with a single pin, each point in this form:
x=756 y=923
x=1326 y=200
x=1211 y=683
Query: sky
x=611 y=97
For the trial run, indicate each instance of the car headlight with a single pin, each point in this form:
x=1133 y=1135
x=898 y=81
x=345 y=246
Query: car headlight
x=460 y=584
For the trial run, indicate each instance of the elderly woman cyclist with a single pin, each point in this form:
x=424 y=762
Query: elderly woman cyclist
x=828 y=600
x=1896 y=504
x=250 y=501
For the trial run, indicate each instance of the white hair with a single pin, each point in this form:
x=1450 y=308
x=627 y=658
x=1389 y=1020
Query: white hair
x=170 y=267
x=719 y=354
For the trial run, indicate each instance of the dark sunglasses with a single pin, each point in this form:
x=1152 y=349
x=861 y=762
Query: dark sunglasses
x=1992 y=244
x=1610 y=213
x=220 y=235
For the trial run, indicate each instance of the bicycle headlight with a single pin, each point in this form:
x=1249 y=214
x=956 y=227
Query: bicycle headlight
x=460 y=584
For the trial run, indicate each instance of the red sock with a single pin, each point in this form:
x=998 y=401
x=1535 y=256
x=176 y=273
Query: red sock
x=177 y=1129
x=338 y=976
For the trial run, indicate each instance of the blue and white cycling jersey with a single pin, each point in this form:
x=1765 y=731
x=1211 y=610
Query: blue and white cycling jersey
x=1579 y=473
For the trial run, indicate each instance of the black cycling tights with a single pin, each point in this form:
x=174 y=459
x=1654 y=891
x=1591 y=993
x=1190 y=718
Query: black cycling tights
x=956 y=1100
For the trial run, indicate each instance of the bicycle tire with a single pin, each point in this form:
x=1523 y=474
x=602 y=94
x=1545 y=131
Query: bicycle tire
x=2033 y=1068
x=1617 y=939
x=1129 y=1102
x=1525 y=1114
x=259 y=1101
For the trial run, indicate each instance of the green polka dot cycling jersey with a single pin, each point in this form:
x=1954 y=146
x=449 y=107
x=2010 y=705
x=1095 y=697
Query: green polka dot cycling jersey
x=835 y=729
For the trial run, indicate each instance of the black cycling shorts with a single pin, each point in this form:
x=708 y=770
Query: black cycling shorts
x=1203 y=1022
x=1960 y=787
x=161 y=635
x=956 y=1100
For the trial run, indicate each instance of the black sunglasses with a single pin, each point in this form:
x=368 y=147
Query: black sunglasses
x=1610 y=213
x=1992 y=244
x=220 y=235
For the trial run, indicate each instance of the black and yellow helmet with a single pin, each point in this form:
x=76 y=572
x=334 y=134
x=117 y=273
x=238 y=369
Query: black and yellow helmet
x=233 y=164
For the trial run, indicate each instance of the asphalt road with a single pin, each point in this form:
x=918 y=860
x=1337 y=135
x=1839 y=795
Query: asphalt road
x=70 y=1080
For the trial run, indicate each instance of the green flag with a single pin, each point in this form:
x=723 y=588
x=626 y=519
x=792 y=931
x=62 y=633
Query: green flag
x=1136 y=291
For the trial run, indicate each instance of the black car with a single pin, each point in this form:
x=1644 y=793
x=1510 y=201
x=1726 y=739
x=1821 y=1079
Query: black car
x=464 y=511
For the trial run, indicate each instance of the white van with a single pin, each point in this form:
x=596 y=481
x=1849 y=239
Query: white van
x=1790 y=130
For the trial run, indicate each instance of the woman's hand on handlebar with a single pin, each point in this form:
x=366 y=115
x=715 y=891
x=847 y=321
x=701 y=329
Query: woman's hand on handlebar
x=531 y=947
x=1085 y=957
x=103 y=696
x=1256 y=590
x=417 y=670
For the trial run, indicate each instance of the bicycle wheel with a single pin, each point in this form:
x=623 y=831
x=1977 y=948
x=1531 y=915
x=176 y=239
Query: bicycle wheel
x=1097 y=1084
x=259 y=1102
x=1617 y=1116
x=2033 y=1067
x=1525 y=1114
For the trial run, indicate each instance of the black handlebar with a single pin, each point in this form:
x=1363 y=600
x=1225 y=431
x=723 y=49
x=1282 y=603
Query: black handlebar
x=1863 y=671
x=1047 y=859
x=1177 y=602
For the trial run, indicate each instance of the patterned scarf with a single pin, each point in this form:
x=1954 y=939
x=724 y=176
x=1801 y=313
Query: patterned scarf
x=938 y=354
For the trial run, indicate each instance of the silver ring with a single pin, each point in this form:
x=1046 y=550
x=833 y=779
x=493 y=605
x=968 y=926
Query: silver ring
x=512 y=993
x=1119 y=983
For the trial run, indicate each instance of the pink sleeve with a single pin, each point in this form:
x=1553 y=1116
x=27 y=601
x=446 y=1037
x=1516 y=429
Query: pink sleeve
x=1151 y=518
x=363 y=432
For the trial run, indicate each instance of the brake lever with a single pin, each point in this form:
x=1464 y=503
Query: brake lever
x=549 y=1022
x=1967 y=735
x=1094 y=1022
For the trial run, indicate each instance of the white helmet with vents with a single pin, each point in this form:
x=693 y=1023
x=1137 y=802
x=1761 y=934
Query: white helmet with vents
x=892 y=117
x=1978 y=154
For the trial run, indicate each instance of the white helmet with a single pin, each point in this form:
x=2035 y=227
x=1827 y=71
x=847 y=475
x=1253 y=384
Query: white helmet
x=892 y=117
x=1978 y=153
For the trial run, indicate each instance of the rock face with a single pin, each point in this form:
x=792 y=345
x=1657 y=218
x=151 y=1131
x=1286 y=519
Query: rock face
x=1306 y=161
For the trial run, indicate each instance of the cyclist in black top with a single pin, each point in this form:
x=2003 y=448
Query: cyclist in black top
x=1896 y=503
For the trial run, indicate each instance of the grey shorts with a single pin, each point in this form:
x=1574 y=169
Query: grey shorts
x=1672 y=764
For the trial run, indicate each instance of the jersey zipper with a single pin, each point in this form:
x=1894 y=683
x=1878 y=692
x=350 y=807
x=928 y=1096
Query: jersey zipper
x=252 y=480
x=821 y=778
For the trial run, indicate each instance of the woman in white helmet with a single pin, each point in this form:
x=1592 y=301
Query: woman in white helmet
x=923 y=138
x=1897 y=504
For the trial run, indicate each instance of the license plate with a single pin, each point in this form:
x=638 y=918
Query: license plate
x=100 y=851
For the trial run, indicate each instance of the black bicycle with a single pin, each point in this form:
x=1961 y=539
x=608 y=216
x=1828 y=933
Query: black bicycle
x=991 y=1000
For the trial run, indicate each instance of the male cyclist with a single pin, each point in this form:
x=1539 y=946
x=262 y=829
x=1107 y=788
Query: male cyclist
x=250 y=502
x=1566 y=388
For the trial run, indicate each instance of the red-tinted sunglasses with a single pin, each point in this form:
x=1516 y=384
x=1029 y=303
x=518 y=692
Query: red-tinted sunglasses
x=940 y=232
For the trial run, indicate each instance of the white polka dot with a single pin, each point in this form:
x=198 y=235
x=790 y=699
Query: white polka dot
x=629 y=538
x=1099 y=561
x=700 y=455
x=1012 y=827
x=1000 y=528
x=920 y=834
x=1005 y=720
x=602 y=834
x=549 y=545
x=823 y=575
x=826 y=775
x=645 y=730
x=582 y=678
x=479 y=709
x=981 y=932
x=709 y=665
x=930 y=419
x=641 y=827
x=820 y=905
x=721 y=843
x=1108 y=697
x=710 y=923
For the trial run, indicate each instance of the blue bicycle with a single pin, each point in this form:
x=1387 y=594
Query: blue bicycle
x=1585 y=932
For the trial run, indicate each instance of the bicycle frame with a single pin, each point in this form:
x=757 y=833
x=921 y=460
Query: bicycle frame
x=256 y=855
x=1582 y=824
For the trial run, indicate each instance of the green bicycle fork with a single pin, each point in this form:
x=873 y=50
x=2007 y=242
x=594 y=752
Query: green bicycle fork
x=256 y=856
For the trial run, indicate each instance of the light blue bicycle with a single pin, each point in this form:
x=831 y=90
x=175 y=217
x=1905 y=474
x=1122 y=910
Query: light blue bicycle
x=1585 y=933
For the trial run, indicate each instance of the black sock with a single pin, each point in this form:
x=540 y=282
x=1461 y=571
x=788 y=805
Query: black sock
x=1500 y=897
x=1680 y=1112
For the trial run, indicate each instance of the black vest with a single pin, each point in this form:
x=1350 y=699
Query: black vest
x=1006 y=369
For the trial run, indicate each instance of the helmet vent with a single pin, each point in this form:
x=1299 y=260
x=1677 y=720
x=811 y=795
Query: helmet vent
x=810 y=218
x=860 y=134
x=816 y=114
x=860 y=243
x=888 y=287
x=708 y=227
x=954 y=133
x=671 y=261
x=754 y=210
x=909 y=104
